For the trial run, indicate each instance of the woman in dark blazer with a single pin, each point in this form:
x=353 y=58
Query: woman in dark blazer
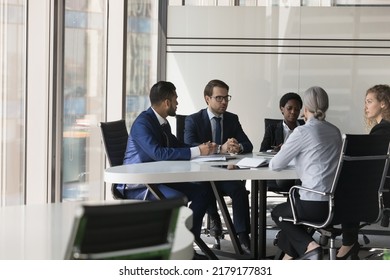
x=377 y=117
x=276 y=134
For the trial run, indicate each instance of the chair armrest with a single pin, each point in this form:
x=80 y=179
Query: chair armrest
x=306 y=189
x=292 y=201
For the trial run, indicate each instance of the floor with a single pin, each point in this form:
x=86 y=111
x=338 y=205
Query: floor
x=378 y=237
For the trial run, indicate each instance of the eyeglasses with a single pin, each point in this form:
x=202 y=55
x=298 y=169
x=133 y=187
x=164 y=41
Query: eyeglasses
x=219 y=98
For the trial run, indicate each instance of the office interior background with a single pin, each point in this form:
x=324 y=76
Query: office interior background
x=67 y=65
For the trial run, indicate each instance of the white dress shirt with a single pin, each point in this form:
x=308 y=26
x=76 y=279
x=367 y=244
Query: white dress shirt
x=315 y=147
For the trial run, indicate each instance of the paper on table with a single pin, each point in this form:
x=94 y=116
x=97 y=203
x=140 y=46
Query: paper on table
x=253 y=162
x=209 y=158
x=268 y=155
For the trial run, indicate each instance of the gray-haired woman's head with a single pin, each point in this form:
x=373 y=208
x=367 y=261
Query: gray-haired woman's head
x=316 y=101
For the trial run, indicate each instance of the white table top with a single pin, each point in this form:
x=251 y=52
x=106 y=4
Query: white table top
x=41 y=232
x=187 y=171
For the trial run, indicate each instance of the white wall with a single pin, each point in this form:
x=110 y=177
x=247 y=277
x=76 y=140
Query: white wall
x=264 y=52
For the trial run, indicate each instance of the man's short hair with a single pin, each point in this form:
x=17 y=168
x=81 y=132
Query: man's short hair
x=208 y=90
x=161 y=91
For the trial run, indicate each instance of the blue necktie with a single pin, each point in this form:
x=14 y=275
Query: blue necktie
x=218 y=131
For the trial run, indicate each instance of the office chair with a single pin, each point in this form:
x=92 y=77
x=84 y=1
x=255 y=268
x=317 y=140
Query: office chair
x=180 y=122
x=356 y=192
x=386 y=202
x=114 y=137
x=135 y=230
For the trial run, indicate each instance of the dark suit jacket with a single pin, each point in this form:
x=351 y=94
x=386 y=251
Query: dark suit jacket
x=197 y=130
x=274 y=136
x=147 y=142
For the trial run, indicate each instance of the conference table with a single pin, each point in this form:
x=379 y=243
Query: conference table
x=209 y=169
x=42 y=232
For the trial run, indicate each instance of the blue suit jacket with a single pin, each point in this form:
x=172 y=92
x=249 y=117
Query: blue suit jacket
x=197 y=130
x=147 y=142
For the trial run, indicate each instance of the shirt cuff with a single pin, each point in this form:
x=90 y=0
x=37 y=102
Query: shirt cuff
x=195 y=152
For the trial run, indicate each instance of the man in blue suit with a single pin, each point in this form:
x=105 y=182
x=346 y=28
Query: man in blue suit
x=224 y=131
x=151 y=139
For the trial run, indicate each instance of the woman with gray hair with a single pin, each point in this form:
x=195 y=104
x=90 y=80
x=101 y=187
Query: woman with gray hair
x=315 y=148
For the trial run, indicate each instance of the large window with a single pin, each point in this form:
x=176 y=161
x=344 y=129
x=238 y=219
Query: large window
x=84 y=92
x=141 y=62
x=12 y=100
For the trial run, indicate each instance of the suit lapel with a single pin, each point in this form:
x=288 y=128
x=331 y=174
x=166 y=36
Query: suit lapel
x=207 y=125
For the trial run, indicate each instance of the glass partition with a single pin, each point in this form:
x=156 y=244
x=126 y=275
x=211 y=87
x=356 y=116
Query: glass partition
x=84 y=92
x=141 y=60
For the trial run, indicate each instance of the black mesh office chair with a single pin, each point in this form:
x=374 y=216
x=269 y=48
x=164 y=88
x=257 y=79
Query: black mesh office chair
x=137 y=230
x=386 y=202
x=180 y=122
x=114 y=137
x=356 y=192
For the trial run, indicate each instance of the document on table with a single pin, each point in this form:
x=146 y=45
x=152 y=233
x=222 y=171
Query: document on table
x=253 y=162
x=268 y=155
x=215 y=157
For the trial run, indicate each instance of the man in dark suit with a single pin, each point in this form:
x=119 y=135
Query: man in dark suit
x=223 y=130
x=150 y=139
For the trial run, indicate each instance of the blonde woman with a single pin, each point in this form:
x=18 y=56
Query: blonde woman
x=377 y=118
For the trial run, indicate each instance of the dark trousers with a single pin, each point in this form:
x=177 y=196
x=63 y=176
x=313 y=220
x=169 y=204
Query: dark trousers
x=237 y=192
x=199 y=194
x=294 y=239
x=350 y=233
x=282 y=185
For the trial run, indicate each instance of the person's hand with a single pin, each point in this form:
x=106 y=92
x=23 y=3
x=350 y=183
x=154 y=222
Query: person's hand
x=207 y=148
x=276 y=148
x=231 y=146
